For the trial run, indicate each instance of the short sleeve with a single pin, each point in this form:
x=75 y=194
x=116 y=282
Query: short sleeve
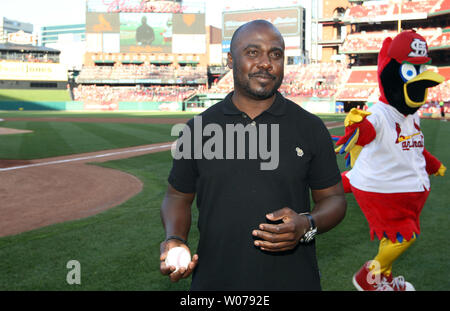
x=323 y=171
x=184 y=173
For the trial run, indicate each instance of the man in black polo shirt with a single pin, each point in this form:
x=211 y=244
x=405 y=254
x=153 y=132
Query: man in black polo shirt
x=252 y=169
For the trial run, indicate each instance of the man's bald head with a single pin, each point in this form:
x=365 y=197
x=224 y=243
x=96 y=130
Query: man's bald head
x=252 y=26
x=257 y=59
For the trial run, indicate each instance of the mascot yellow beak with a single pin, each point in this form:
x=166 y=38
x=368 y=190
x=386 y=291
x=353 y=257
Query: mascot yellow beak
x=416 y=89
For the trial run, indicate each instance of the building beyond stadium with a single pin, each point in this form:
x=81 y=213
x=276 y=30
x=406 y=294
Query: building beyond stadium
x=9 y=26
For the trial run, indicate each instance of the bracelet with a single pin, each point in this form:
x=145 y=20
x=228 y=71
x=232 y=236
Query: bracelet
x=176 y=237
x=311 y=221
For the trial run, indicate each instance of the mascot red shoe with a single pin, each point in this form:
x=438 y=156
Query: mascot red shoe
x=390 y=165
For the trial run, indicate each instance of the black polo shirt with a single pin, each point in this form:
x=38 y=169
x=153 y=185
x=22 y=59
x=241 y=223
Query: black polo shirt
x=235 y=194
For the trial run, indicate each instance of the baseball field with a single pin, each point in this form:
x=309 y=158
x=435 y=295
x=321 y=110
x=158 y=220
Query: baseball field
x=88 y=187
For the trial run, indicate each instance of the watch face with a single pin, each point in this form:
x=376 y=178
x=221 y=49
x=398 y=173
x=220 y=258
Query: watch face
x=309 y=236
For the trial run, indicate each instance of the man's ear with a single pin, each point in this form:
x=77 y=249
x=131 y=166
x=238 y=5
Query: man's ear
x=229 y=60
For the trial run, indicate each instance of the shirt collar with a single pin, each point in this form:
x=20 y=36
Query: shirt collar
x=276 y=109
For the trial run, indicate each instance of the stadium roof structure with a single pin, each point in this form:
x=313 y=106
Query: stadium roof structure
x=26 y=48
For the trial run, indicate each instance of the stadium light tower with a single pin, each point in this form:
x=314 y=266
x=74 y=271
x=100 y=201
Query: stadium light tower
x=317 y=31
x=314 y=52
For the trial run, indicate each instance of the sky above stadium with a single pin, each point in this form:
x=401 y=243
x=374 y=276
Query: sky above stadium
x=62 y=12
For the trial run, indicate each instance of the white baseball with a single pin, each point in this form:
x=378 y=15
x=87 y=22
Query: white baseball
x=178 y=257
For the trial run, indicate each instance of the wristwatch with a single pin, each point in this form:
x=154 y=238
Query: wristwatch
x=312 y=232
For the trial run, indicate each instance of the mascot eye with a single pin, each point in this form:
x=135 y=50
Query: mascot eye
x=407 y=72
x=422 y=68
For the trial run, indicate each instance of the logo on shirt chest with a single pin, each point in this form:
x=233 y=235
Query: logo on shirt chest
x=413 y=140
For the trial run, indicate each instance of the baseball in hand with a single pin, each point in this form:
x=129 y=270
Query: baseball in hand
x=178 y=257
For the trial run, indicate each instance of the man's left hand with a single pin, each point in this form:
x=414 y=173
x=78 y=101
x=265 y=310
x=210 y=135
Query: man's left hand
x=284 y=236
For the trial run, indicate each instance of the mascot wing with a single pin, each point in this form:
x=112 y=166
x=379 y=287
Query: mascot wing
x=433 y=165
x=358 y=133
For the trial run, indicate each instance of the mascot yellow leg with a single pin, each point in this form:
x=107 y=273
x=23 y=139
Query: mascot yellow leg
x=388 y=252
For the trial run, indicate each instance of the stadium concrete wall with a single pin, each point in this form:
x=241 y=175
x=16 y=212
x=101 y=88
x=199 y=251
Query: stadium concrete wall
x=150 y=106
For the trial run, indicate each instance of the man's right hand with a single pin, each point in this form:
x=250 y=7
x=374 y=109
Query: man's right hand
x=182 y=273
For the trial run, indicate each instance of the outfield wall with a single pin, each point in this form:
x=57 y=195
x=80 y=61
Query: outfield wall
x=318 y=105
x=38 y=105
x=80 y=106
x=313 y=106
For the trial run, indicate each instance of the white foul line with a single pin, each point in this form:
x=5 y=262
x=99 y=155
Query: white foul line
x=335 y=126
x=84 y=158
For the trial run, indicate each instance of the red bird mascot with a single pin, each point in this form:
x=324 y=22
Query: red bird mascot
x=390 y=165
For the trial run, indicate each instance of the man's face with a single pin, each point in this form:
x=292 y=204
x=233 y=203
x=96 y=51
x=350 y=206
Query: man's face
x=257 y=61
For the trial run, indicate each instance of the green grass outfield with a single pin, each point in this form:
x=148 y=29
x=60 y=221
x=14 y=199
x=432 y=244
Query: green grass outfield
x=119 y=248
x=50 y=139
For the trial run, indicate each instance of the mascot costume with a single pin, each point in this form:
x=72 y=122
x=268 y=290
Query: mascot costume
x=390 y=165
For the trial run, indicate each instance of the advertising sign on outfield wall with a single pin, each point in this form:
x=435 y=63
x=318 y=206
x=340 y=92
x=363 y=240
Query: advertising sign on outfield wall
x=32 y=71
